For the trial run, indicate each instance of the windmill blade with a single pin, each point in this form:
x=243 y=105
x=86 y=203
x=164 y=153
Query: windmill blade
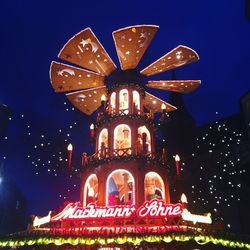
x=87 y=101
x=131 y=43
x=181 y=86
x=68 y=78
x=85 y=50
x=154 y=104
x=177 y=57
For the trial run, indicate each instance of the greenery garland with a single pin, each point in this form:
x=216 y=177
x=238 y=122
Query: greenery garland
x=145 y=158
x=135 y=240
x=119 y=117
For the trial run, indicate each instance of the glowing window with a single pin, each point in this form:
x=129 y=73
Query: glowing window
x=113 y=101
x=154 y=187
x=136 y=100
x=123 y=101
x=120 y=188
x=90 y=192
x=122 y=139
x=103 y=138
x=141 y=131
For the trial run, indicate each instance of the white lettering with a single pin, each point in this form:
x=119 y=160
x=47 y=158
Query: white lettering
x=158 y=209
x=40 y=221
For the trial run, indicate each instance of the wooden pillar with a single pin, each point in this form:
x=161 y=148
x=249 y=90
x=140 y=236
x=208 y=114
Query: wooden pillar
x=151 y=131
x=130 y=100
x=167 y=193
x=144 y=144
x=141 y=104
x=117 y=102
x=111 y=139
x=97 y=133
x=132 y=126
x=126 y=188
x=109 y=150
x=140 y=192
x=102 y=178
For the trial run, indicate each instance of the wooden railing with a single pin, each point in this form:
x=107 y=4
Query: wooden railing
x=122 y=151
x=106 y=153
x=123 y=112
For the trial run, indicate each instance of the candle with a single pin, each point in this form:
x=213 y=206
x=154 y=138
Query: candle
x=70 y=149
x=92 y=130
x=177 y=164
x=184 y=201
x=163 y=108
x=103 y=100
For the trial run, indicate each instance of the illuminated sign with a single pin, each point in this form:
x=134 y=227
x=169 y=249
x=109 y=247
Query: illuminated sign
x=159 y=209
x=186 y=215
x=40 y=221
x=76 y=211
x=150 y=209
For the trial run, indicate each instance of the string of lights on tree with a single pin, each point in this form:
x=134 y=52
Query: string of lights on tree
x=45 y=150
x=221 y=171
x=216 y=168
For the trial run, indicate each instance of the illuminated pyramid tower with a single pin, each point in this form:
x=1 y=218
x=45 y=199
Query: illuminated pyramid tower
x=125 y=168
x=125 y=199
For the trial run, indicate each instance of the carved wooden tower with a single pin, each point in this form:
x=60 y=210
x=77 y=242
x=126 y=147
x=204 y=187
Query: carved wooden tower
x=125 y=169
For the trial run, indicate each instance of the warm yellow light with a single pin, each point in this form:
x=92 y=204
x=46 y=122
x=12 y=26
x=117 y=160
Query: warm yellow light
x=92 y=126
x=177 y=158
x=163 y=106
x=103 y=98
x=183 y=198
x=70 y=147
x=91 y=192
x=186 y=215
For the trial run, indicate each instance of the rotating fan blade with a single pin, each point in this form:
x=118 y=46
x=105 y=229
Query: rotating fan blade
x=154 y=104
x=177 y=57
x=131 y=43
x=68 y=78
x=87 y=101
x=184 y=86
x=85 y=50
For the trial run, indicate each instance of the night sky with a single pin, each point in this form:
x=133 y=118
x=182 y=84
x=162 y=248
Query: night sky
x=33 y=33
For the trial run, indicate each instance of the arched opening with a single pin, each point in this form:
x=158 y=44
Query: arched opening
x=120 y=188
x=136 y=102
x=143 y=135
x=154 y=187
x=123 y=101
x=90 y=191
x=122 y=139
x=103 y=139
x=113 y=102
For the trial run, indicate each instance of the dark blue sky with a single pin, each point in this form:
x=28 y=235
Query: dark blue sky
x=33 y=32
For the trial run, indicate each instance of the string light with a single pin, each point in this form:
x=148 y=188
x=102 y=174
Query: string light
x=42 y=149
x=228 y=164
x=220 y=171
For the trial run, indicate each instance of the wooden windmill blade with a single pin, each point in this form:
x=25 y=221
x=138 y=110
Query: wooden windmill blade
x=87 y=101
x=132 y=42
x=68 y=78
x=181 y=86
x=154 y=103
x=85 y=50
x=177 y=57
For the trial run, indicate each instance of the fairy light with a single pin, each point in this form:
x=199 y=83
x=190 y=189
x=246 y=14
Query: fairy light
x=42 y=149
x=227 y=164
x=222 y=172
